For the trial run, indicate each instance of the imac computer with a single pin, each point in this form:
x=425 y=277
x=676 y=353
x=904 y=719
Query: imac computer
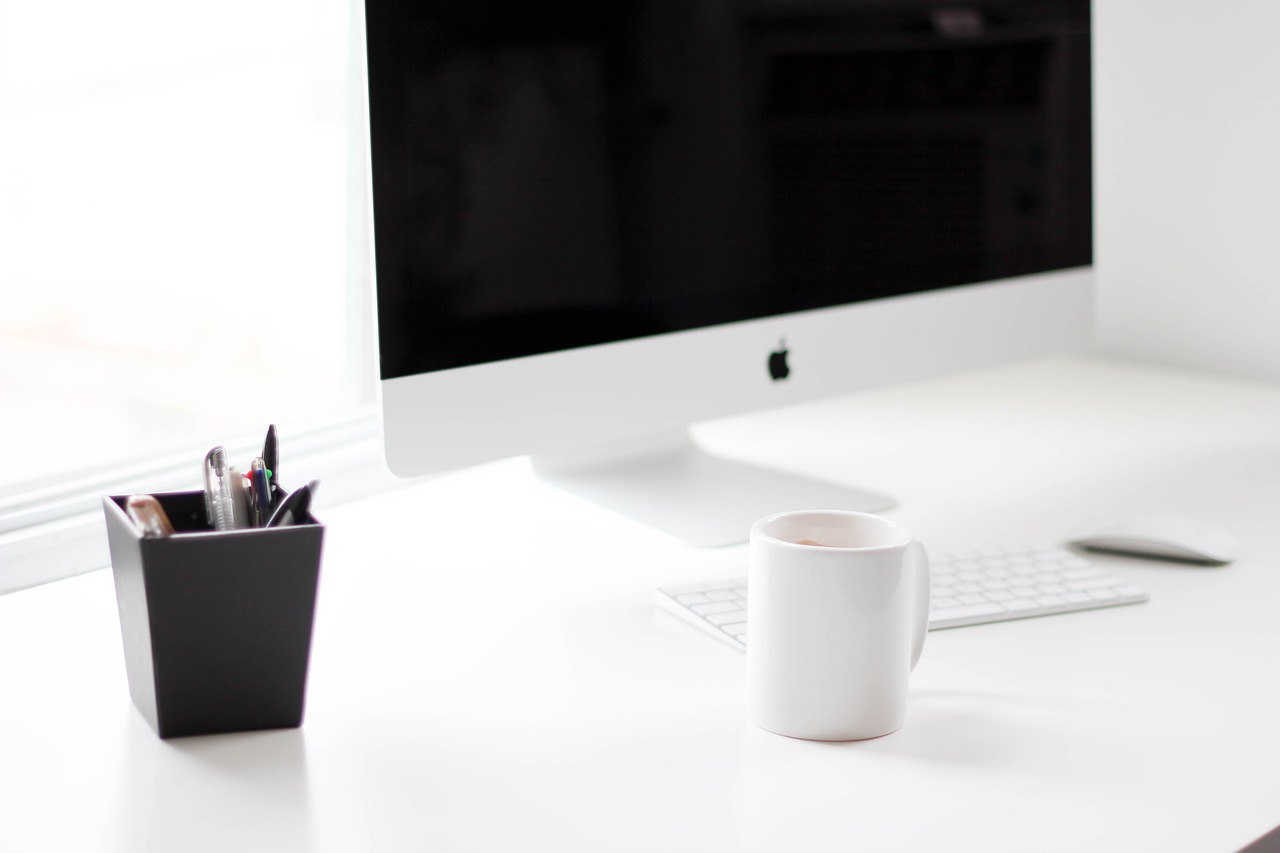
x=596 y=223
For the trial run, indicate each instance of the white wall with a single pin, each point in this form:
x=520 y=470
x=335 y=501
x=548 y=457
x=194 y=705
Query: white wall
x=1187 y=135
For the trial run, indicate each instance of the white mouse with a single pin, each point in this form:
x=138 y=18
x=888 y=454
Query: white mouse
x=1161 y=536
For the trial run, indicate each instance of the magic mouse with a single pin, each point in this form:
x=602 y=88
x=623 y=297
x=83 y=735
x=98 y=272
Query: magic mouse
x=1160 y=536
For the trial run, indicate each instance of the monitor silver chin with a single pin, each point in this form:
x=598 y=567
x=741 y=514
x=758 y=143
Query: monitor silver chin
x=610 y=422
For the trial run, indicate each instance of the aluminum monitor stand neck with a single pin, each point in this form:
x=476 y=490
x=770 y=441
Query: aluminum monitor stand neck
x=667 y=482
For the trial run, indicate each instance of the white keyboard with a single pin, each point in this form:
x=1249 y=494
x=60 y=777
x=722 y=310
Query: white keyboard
x=968 y=588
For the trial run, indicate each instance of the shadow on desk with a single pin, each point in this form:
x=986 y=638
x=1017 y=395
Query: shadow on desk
x=258 y=778
x=975 y=728
x=954 y=746
x=967 y=728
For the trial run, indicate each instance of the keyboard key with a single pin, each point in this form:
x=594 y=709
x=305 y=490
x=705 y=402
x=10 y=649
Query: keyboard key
x=714 y=607
x=1090 y=583
x=692 y=598
x=1076 y=573
x=722 y=595
x=728 y=617
x=965 y=612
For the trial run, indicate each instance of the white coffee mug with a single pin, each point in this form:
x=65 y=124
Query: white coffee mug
x=837 y=614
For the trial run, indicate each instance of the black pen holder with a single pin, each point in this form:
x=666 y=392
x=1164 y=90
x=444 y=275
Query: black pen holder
x=216 y=625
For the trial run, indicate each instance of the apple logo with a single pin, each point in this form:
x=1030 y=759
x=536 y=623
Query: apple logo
x=778 y=368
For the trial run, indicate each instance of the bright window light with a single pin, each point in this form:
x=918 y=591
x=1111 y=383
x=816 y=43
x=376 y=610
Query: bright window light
x=173 y=228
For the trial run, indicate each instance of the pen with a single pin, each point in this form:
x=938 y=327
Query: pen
x=271 y=459
x=146 y=512
x=205 y=477
x=296 y=506
x=239 y=498
x=218 y=497
x=259 y=493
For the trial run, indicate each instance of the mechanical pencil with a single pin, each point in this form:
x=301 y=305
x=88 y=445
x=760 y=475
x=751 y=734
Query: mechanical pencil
x=218 y=495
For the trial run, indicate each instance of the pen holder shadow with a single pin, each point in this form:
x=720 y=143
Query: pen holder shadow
x=216 y=625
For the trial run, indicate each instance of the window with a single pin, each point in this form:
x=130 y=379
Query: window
x=175 y=235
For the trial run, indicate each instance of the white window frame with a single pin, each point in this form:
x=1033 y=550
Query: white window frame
x=58 y=532
x=52 y=532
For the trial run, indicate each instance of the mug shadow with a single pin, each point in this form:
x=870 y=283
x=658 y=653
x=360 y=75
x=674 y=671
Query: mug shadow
x=963 y=727
x=971 y=727
x=787 y=787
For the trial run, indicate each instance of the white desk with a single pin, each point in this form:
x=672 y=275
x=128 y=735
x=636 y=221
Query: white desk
x=489 y=673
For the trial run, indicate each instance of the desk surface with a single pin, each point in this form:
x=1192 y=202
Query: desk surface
x=489 y=671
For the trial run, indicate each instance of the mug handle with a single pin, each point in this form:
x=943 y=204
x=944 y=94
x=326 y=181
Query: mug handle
x=921 y=560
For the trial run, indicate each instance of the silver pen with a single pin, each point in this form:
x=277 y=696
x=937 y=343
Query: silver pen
x=219 y=500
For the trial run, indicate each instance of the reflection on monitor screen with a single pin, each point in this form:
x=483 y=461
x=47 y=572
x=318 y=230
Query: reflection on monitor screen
x=596 y=223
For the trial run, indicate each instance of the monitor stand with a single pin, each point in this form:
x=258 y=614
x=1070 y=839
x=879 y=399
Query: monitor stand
x=669 y=483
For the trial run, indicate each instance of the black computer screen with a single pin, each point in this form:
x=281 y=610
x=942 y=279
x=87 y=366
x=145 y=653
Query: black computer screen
x=550 y=175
